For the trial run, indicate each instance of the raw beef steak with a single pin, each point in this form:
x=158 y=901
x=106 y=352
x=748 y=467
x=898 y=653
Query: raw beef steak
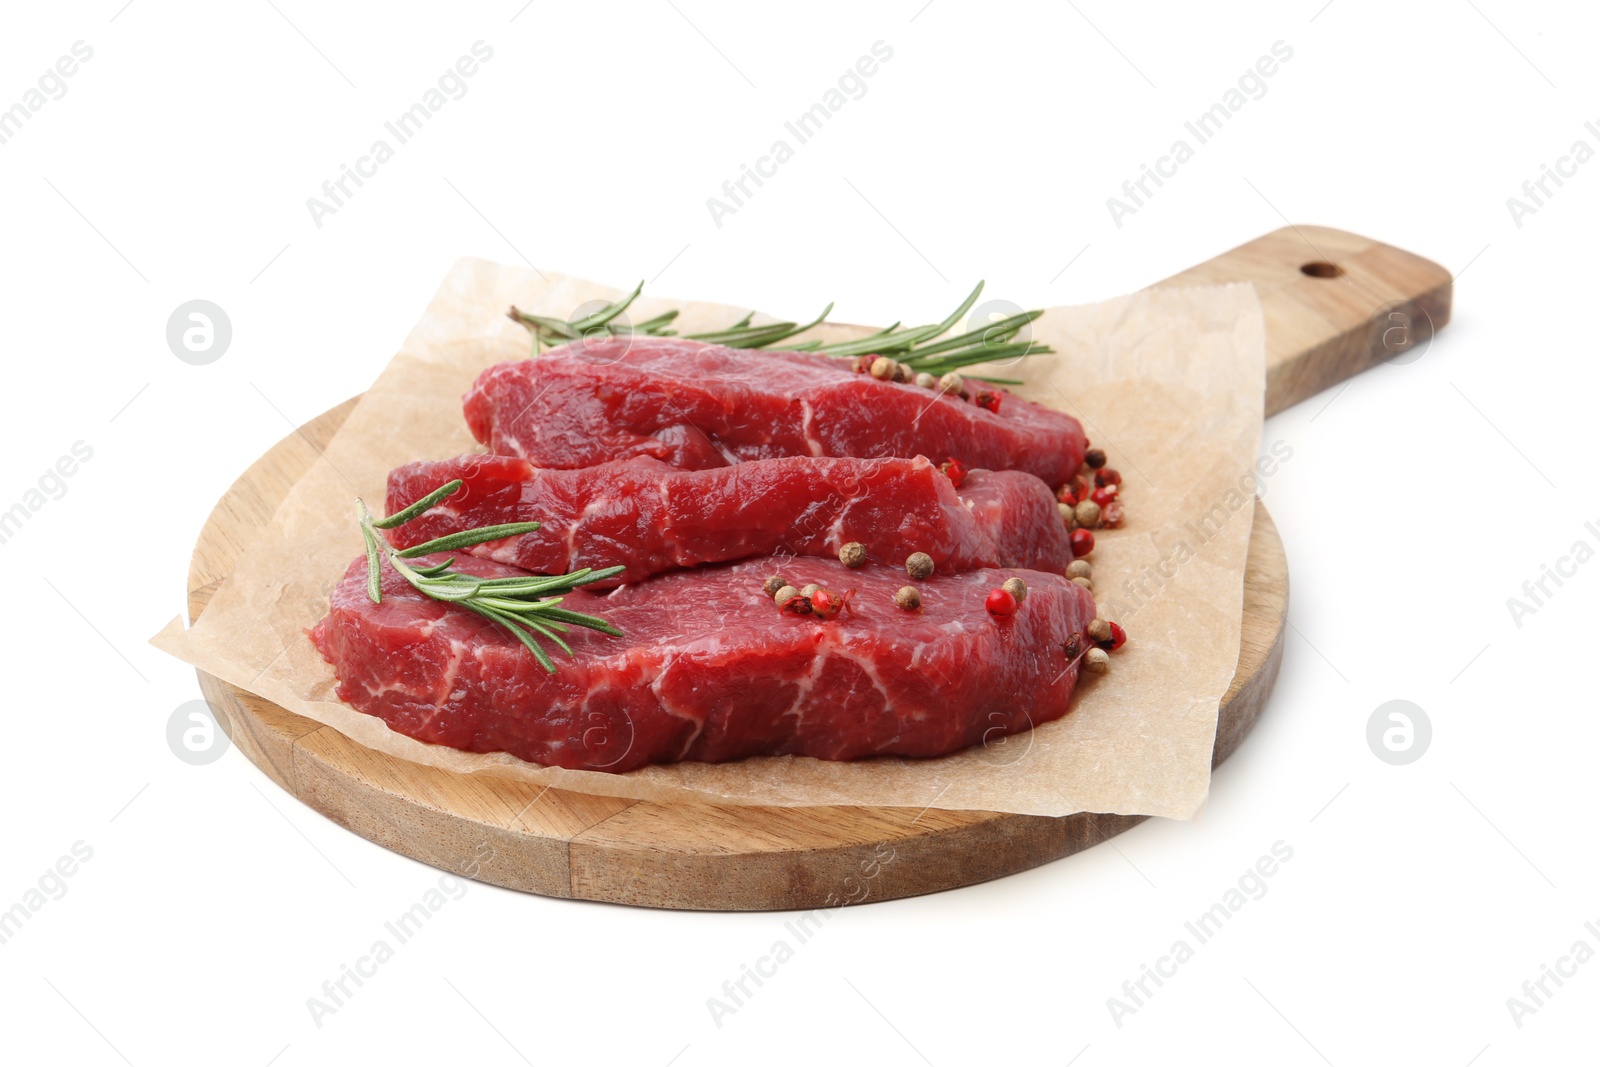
x=710 y=669
x=651 y=517
x=697 y=405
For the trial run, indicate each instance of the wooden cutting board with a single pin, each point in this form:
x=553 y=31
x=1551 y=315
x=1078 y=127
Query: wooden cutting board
x=1335 y=304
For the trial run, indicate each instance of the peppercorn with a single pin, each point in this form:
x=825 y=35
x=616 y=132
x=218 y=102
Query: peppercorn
x=906 y=598
x=863 y=364
x=1099 y=631
x=925 y=380
x=919 y=565
x=1095 y=458
x=1000 y=603
x=825 y=603
x=1079 y=568
x=882 y=368
x=1017 y=588
x=1068 y=494
x=773 y=584
x=1104 y=495
x=903 y=373
x=1107 y=477
x=1067 y=515
x=951 y=383
x=955 y=470
x=1095 y=661
x=1085 y=582
x=1087 y=513
x=808 y=589
x=1082 y=542
x=1119 y=637
x=797 y=605
x=784 y=595
x=988 y=401
x=1073 y=646
x=852 y=554
x=1111 y=515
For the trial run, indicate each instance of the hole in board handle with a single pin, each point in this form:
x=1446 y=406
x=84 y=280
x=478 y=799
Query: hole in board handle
x=1318 y=268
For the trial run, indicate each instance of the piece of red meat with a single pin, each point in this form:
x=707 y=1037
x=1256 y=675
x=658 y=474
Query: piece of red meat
x=697 y=405
x=651 y=517
x=710 y=669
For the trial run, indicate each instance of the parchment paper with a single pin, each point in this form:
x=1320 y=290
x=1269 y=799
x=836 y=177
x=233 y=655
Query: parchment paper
x=1169 y=382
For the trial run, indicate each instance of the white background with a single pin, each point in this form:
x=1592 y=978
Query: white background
x=177 y=166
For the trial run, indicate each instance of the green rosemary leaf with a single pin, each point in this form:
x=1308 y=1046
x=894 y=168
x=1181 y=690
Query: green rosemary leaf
x=653 y=326
x=405 y=515
x=989 y=335
x=971 y=356
x=588 y=574
x=541 y=324
x=745 y=336
x=609 y=312
x=966 y=306
x=511 y=605
x=515 y=604
x=516 y=631
x=374 y=567
x=549 y=630
x=451 y=542
x=579 y=619
x=872 y=342
x=446 y=590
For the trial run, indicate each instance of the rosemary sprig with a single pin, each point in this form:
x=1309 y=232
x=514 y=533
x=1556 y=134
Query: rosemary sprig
x=922 y=348
x=528 y=607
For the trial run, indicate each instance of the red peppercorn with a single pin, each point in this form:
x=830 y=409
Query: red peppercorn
x=827 y=604
x=1111 y=515
x=796 y=605
x=863 y=364
x=1068 y=494
x=1106 y=476
x=1000 y=603
x=955 y=470
x=988 y=401
x=1104 y=495
x=1119 y=637
x=1082 y=543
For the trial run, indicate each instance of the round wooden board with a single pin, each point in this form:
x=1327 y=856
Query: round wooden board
x=699 y=856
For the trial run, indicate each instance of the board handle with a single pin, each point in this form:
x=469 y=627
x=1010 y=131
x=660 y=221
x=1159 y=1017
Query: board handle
x=1335 y=304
